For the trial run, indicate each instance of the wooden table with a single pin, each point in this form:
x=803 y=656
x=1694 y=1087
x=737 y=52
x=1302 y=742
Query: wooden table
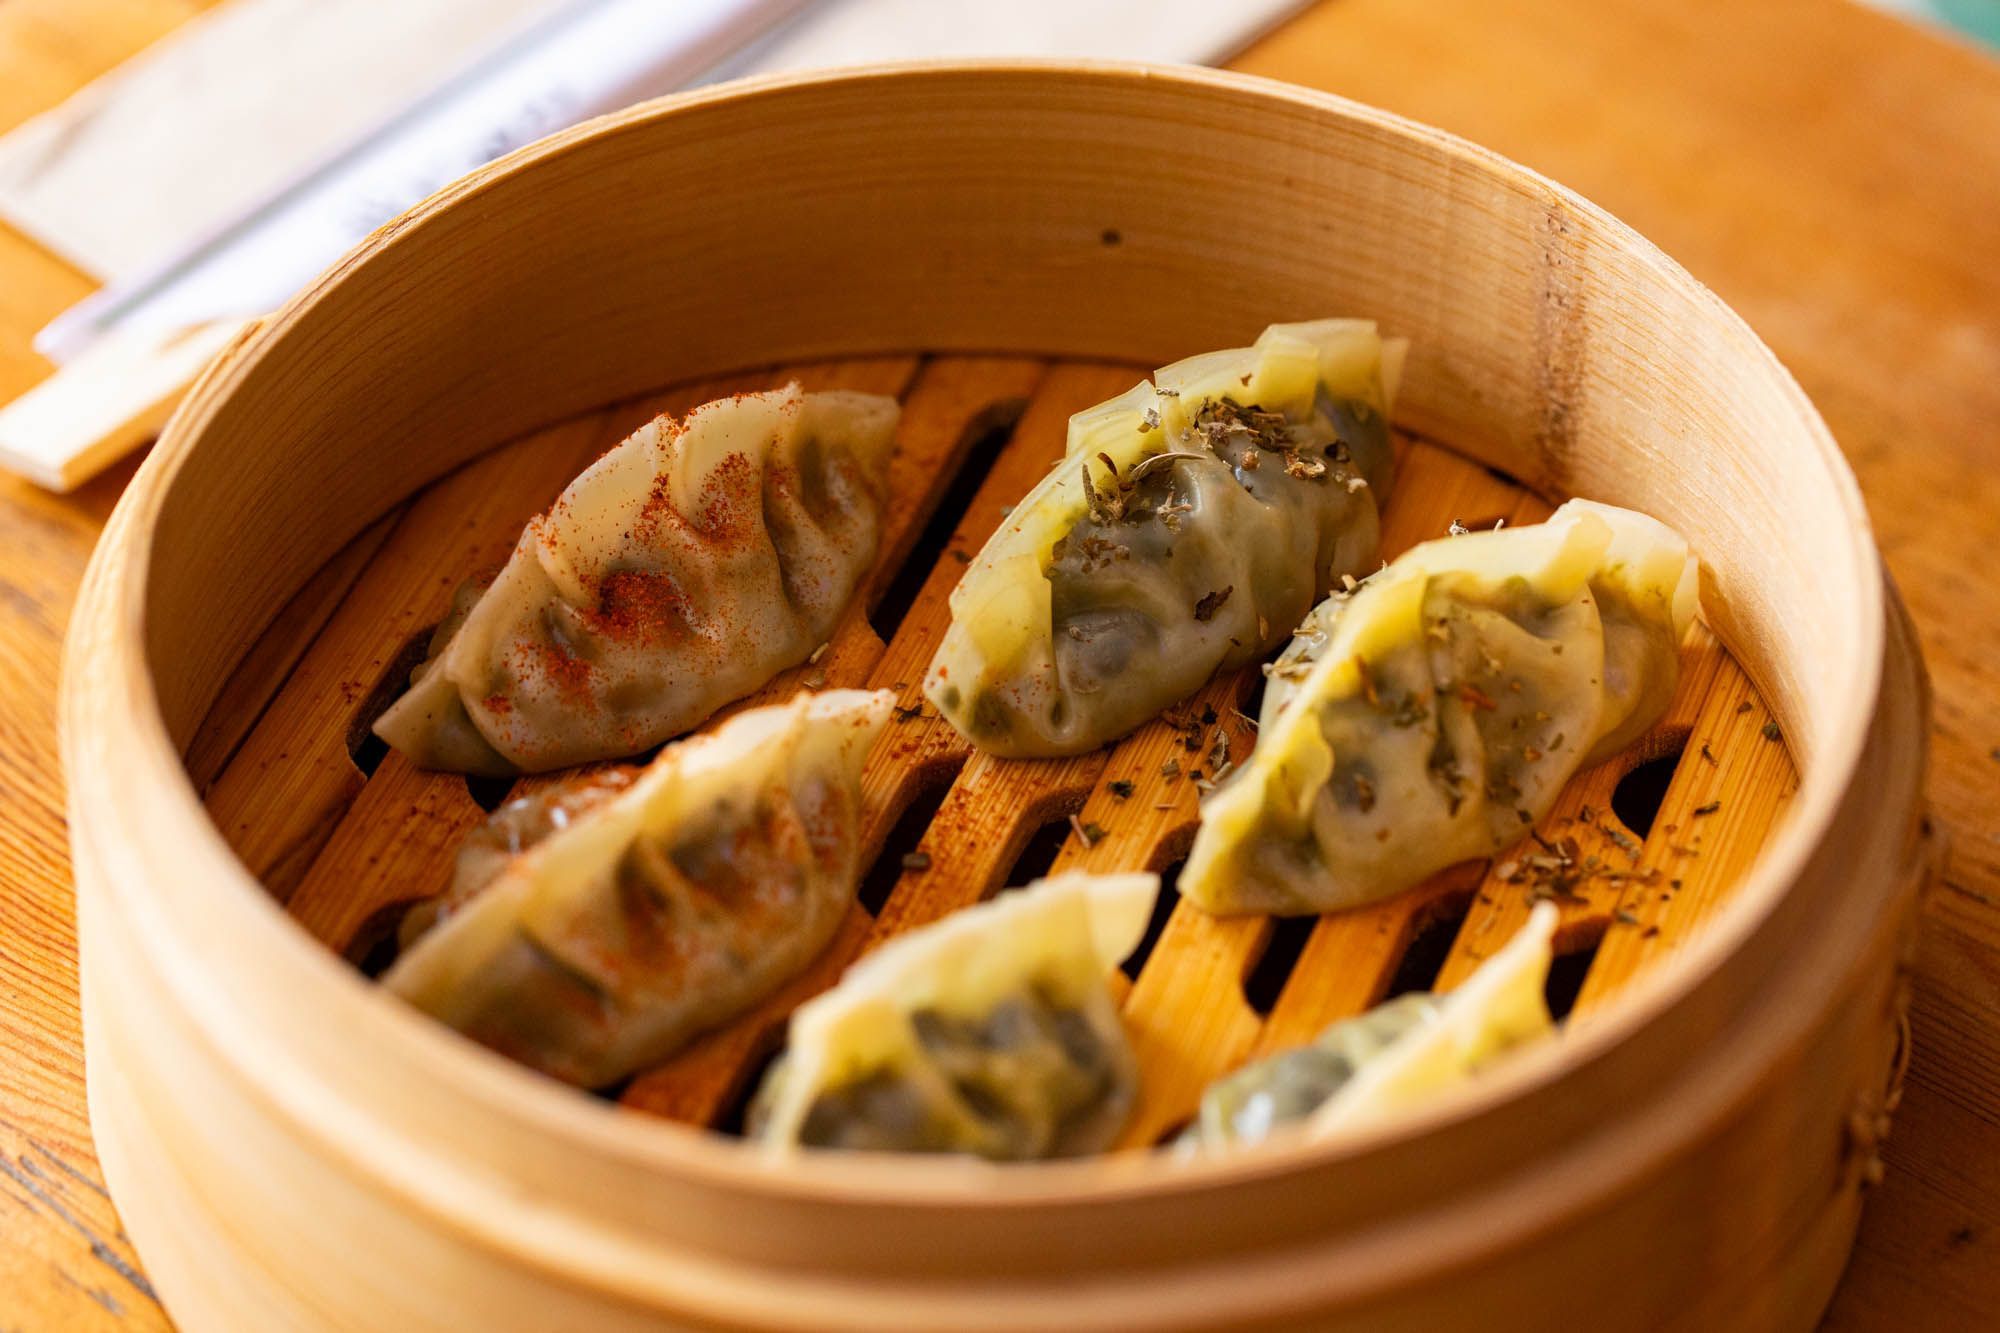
x=1834 y=174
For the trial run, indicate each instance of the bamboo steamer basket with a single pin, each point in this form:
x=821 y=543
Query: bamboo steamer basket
x=291 y=1149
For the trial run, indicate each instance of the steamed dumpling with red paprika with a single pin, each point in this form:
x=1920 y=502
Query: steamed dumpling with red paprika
x=682 y=570
x=595 y=927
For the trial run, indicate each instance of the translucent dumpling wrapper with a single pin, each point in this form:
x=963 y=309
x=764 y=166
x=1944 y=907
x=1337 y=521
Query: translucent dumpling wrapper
x=1192 y=522
x=1434 y=714
x=515 y=827
x=682 y=570
x=1393 y=1057
x=594 y=928
x=991 y=1033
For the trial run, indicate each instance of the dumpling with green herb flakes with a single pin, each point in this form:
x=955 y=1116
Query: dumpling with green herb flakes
x=596 y=926
x=1191 y=523
x=991 y=1033
x=1390 y=1058
x=1433 y=715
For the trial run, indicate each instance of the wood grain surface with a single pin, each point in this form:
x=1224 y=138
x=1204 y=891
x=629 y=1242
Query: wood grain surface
x=1834 y=174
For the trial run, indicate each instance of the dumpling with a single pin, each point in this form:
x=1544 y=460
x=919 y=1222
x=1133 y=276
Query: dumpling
x=1434 y=714
x=1390 y=1057
x=1193 y=521
x=991 y=1032
x=683 y=569
x=595 y=928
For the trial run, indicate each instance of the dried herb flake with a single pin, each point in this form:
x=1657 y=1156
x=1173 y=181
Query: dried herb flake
x=1090 y=834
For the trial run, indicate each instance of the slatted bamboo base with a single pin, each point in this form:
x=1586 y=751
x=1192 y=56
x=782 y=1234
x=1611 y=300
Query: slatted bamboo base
x=346 y=834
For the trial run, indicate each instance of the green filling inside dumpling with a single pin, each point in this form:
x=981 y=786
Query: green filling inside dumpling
x=1286 y=1089
x=1432 y=714
x=1392 y=1058
x=1201 y=558
x=1027 y=1080
x=1190 y=523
